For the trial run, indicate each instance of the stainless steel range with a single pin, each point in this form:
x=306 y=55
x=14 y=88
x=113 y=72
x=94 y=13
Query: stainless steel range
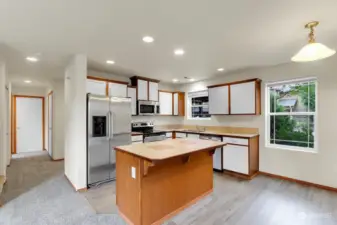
x=149 y=133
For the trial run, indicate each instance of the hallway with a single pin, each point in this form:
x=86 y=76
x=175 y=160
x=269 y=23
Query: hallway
x=38 y=193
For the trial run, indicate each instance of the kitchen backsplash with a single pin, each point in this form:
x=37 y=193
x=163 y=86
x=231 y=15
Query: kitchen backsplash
x=160 y=120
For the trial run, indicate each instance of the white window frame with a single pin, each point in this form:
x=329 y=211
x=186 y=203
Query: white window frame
x=268 y=114
x=189 y=105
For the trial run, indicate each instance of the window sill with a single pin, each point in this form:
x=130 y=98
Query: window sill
x=290 y=148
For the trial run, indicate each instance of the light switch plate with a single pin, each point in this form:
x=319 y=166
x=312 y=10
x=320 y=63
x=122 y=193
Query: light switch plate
x=133 y=172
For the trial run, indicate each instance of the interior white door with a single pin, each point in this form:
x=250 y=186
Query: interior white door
x=28 y=124
x=50 y=124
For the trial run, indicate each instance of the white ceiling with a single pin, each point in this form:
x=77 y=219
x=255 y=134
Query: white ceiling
x=217 y=33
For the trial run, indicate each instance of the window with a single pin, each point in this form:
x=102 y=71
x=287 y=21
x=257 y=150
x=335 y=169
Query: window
x=291 y=115
x=198 y=105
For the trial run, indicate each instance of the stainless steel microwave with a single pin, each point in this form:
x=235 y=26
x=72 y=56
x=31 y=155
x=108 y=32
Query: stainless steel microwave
x=147 y=108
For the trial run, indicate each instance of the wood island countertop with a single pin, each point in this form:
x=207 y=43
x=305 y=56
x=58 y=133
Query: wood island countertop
x=161 y=150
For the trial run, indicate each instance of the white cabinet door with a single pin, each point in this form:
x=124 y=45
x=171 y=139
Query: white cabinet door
x=193 y=136
x=169 y=134
x=117 y=90
x=243 y=98
x=132 y=94
x=218 y=100
x=142 y=89
x=96 y=87
x=180 y=135
x=235 y=158
x=165 y=103
x=217 y=159
x=175 y=104
x=153 y=91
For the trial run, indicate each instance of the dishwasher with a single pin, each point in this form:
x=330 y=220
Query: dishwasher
x=217 y=156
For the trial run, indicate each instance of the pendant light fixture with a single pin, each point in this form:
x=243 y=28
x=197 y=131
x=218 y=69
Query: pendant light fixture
x=313 y=50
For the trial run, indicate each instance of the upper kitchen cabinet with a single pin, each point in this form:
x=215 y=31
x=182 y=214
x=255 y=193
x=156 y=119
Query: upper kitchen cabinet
x=218 y=100
x=245 y=98
x=236 y=98
x=153 y=91
x=118 y=89
x=132 y=93
x=97 y=87
x=178 y=103
x=147 y=89
x=165 y=103
x=142 y=90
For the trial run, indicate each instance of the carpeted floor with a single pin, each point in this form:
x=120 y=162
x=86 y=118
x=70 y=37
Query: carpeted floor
x=37 y=193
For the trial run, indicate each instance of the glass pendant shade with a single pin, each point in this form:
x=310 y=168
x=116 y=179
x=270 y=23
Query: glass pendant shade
x=313 y=51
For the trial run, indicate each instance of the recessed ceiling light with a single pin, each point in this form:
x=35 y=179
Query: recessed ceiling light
x=32 y=59
x=28 y=81
x=179 y=52
x=191 y=79
x=110 y=62
x=221 y=69
x=175 y=80
x=148 y=39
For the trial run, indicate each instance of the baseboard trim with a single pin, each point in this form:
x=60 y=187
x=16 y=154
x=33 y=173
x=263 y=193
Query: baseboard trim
x=306 y=183
x=240 y=175
x=56 y=160
x=78 y=190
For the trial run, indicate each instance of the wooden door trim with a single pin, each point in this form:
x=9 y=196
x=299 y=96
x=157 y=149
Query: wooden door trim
x=52 y=107
x=13 y=125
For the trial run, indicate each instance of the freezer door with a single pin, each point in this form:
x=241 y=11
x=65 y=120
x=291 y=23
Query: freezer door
x=120 y=125
x=98 y=153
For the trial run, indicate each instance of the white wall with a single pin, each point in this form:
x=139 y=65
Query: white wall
x=9 y=152
x=58 y=119
x=75 y=155
x=3 y=120
x=321 y=167
x=26 y=90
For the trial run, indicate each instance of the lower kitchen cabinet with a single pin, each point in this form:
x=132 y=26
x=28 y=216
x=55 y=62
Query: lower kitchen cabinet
x=193 y=136
x=137 y=139
x=241 y=156
x=235 y=158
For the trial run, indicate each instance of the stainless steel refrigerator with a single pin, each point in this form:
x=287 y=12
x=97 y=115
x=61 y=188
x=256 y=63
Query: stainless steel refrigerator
x=108 y=125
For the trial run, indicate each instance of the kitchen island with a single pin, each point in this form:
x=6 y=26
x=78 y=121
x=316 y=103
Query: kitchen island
x=157 y=180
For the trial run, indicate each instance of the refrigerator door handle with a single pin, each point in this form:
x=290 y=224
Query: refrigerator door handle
x=108 y=127
x=111 y=134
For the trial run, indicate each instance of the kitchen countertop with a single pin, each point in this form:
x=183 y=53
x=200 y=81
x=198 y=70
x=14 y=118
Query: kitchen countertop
x=213 y=133
x=169 y=148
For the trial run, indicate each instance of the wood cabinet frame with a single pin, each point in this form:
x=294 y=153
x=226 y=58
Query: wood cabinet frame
x=253 y=154
x=257 y=95
x=181 y=102
x=134 y=82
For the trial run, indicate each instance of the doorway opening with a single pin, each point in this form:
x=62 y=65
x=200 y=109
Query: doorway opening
x=28 y=124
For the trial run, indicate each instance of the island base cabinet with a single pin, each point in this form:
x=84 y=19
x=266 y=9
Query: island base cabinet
x=235 y=158
x=151 y=193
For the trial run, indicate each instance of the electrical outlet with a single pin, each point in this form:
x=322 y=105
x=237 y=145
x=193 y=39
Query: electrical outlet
x=133 y=172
